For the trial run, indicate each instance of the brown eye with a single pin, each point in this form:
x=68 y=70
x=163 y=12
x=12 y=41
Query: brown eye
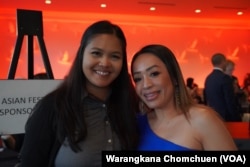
x=116 y=57
x=96 y=53
x=153 y=74
x=136 y=79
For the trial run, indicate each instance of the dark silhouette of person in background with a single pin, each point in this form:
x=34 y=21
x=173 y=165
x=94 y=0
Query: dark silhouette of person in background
x=193 y=90
x=239 y=93
x=42 y=75
x=190 y=83
x=219 y=91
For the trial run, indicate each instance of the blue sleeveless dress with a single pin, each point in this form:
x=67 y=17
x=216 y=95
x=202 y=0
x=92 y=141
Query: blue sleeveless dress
x=151 y=142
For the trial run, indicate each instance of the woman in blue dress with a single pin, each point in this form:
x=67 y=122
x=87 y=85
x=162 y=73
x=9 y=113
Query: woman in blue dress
x=171 y=119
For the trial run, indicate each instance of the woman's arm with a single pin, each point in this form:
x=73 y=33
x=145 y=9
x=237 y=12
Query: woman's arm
x=39 y=136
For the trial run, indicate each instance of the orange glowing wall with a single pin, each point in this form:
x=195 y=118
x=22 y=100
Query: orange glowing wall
x=192 y=41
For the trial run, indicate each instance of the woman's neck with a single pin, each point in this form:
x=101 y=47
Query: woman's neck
x=164 y=114
x=99 y=93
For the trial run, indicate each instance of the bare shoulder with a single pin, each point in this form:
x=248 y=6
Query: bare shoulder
x=210 y=129
x=200 y=114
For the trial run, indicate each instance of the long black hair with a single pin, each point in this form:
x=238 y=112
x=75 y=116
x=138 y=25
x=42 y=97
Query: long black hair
x=69 y=96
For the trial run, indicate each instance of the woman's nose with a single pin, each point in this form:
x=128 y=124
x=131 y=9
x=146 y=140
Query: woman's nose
x=147 y=83
x=104 y=62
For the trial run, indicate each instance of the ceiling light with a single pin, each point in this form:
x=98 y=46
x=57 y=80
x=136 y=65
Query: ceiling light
x=152 y=8
x=197 y=11
x=239 y=13
x=103 y=5
x=48 y=1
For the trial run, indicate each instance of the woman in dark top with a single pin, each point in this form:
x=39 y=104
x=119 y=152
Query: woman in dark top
x=91 y=111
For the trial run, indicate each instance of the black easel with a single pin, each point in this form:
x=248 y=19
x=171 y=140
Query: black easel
x=29 y=22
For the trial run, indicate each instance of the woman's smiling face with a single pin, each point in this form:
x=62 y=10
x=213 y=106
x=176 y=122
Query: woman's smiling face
x=102 y=61
x=152 y=81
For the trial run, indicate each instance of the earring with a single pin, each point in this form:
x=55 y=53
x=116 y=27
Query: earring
x=141 y=107
x=144 y=109
x=177 y=96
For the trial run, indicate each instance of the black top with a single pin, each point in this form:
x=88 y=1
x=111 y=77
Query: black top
x=41 y=147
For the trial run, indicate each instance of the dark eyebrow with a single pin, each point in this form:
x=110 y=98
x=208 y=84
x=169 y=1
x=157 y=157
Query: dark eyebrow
x=148 y=69
x=115 y=52
x=95 y=48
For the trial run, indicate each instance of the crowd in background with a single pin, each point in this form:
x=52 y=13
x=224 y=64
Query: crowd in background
x=241 y=91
